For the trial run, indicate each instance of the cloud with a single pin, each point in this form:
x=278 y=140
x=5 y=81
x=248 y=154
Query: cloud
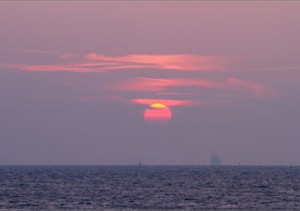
x=282 y=68
x=68 y=56
x=140 y=84
x=175 y=92
x=182 y=91
x=48 y=68
x=93 y=62
x=168 y=61
x=216 y=92
x=167 y=102
x=259 y=90
x=101 y=63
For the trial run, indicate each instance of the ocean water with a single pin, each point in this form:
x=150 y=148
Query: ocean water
x=149 y=187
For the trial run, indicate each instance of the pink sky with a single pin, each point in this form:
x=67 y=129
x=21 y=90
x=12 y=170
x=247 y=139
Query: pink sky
x=79 y=78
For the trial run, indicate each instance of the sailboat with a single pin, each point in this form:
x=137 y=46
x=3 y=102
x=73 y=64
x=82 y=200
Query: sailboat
x=215 y=160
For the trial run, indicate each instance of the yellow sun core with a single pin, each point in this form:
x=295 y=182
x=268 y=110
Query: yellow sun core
x=158 y=106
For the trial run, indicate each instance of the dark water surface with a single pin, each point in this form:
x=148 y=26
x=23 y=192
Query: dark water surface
x=149 y=187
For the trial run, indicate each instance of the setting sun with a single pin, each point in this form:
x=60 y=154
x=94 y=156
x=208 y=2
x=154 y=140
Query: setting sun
x=158 y=112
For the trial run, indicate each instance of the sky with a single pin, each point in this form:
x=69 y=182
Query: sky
x=157 y=82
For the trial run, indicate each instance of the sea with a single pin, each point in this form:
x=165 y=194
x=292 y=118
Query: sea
x=149 y=187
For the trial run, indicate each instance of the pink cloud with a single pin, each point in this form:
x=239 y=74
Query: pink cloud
x=69 y=68
x=159 y=85
x=259 y=90
x=68 y=56
x=100 y=63
x=179 y=93
x=282 y=68
x=172 y=61
x=164 y=87
x=166 y=102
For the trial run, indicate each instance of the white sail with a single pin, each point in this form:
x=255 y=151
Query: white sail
x=215 y=160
